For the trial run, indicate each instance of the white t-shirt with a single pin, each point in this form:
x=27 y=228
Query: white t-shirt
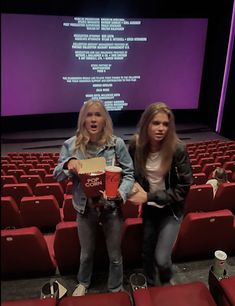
x=214 y=183
x=155 y=179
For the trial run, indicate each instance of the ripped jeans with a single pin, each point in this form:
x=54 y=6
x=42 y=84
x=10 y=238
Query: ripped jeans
x=112 y=220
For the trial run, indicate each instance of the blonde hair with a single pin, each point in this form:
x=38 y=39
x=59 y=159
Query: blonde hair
x=82 y=136
x=220 y=175
x=168 y=144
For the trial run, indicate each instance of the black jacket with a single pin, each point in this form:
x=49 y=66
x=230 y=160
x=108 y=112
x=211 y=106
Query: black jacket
x=177 y=182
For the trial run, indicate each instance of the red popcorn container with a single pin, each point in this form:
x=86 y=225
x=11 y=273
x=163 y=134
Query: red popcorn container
x=93 y=183
x=92 y=176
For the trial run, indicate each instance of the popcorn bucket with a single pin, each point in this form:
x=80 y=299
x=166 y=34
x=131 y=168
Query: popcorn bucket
x=92 y=183
x=92 y=176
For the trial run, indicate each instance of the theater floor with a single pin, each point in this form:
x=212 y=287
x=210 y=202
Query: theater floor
x=185 y=272
x=51 y=140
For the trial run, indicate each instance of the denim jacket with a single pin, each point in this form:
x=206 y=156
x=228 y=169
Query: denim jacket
x=115 y=148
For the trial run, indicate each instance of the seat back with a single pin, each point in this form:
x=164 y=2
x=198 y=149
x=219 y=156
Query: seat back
x=16 y=172
x=30 y=179
x=69 y=212
x=41 y=171
x=98 y=299
x=130 y=210
x=222 y=290
x=210 y=167
x=17 y=191
x=225 y=197
x=199 y=178
x=202 y=233
x=10 y=213
x=67 y=247
x=193 y=294
x=24 y=252
x=42 y=189
x=40 y=211
x=8 y=179
x=132 y=242
x=199 y=198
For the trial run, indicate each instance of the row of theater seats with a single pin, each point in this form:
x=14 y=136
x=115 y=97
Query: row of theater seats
x=200 y=198
x=19 y=208
x=44 y=212
x=40 y=173
x=208 y=168
x=220 y=293
x=206 y=156
x=26 y=251
x=201 y=177
x=209 y=146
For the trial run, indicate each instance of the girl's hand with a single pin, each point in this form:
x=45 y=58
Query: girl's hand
x=74 y=166
x=104 y=195
x=138 y=195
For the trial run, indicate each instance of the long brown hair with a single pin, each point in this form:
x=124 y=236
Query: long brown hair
x=168 y=144
x=82 y=136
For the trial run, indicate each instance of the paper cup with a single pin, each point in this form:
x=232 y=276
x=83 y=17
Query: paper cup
x=92 y=183
x=112 y=180
x=219 y=263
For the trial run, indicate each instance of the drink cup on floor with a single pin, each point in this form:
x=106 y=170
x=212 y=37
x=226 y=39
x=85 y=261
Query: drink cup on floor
x=112 y=180
x=219 y=263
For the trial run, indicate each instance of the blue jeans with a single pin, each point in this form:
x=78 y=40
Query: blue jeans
x=111 y=219
x=160 y=230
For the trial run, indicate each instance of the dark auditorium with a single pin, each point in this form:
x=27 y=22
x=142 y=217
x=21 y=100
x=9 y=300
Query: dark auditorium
x=118 y=153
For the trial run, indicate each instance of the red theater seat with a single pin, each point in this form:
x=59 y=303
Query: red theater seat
x=69 y=187
x=98 y=299
x=222 y=159
x=49 y=178
x=206 y=160
x=201 y=234
x=8 y=166
x=229 y=165
x=132 y=242
x=196 y=168
x=42 y=172
x=69 y=211
x=16 y=172
x=130 y=210
x=26 y=167
x=10 y=213
x=67 y=247
x=223 y=290
x=40 y=211
x=8 y=179
x=199 y=178
x=199 y=198
x=192 y=294
x=210 y=167
x=17 y=191
x=225 y=197
x=30 y=302
x=55 y=189
x=30 y=179
x=44 y=166
x=24 y=252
